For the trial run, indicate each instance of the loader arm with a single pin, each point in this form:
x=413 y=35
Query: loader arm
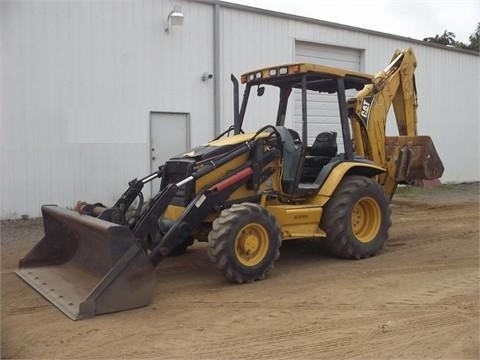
x=408 y=157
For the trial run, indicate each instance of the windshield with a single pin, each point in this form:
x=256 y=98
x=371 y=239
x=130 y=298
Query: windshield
x=261 y=110
x=282 y=106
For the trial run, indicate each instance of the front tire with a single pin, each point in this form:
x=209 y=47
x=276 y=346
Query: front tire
x=244 y=242
x=182 y=247
x=356 y=218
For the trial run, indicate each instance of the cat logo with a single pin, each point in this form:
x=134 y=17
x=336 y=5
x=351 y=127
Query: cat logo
x=365 y=109
x=365 y=112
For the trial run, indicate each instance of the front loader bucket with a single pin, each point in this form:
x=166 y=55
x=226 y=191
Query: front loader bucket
x=415 y=157
x=86 y=266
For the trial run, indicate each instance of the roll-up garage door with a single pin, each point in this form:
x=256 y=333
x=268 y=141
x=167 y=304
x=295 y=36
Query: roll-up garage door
x=322 y=109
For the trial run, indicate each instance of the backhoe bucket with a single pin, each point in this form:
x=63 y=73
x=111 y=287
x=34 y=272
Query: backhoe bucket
x=86 y=266
x=415 y=157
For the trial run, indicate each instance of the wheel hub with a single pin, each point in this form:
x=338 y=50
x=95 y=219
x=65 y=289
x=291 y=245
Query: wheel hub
x=251 y=244
x=366 y=219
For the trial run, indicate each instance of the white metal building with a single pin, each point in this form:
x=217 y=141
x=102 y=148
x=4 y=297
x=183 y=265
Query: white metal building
x=95 y=93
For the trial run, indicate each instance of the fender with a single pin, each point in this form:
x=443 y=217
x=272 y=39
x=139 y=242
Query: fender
x=338 y=170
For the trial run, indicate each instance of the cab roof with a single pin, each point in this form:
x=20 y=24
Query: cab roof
x=320 y=77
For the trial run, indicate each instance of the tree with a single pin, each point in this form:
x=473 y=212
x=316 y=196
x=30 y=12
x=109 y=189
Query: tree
x=475 y=39
x=448 y=39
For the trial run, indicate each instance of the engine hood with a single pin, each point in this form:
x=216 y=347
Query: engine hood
x=218 y=147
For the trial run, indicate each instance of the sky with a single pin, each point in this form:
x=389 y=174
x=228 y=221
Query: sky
x=411 y=18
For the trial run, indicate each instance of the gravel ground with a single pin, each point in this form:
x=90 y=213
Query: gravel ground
x=419 y=298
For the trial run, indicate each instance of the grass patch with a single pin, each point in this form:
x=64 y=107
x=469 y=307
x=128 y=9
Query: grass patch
x=416 y=190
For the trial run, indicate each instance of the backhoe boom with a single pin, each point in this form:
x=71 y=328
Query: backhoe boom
x=408 y=158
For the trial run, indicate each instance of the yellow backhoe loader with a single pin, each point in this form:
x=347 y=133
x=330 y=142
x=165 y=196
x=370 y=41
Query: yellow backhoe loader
x=245 y=193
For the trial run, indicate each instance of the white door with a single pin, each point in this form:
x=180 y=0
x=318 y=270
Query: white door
x=322 y=109
x=169 y=136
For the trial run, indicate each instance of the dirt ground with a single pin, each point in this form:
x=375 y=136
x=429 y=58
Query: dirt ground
x=419 y=298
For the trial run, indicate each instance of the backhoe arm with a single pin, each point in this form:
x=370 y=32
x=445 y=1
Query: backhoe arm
x=408 y=158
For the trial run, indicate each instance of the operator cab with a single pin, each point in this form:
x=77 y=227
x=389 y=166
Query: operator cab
x=305 y=167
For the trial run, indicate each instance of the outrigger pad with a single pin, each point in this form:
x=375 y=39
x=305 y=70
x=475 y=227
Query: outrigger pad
x=86 y=266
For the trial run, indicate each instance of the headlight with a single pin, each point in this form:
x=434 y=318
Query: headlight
x=283 y=71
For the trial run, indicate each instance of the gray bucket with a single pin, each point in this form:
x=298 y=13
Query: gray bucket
x=86 y=266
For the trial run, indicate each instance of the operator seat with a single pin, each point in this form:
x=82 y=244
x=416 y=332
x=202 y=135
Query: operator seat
x=323 y=149
x=324 y=146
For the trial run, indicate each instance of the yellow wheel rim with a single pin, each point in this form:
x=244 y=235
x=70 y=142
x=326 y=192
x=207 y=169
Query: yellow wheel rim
x=251 y=244
x=366 y=219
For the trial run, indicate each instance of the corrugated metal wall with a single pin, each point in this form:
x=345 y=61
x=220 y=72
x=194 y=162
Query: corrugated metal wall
x=80 y=78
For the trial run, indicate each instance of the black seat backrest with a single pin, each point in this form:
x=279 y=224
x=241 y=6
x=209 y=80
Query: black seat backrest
x=325 y=144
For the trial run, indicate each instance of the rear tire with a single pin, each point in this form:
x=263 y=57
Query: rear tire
x=356 y=218
x=244 y=242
